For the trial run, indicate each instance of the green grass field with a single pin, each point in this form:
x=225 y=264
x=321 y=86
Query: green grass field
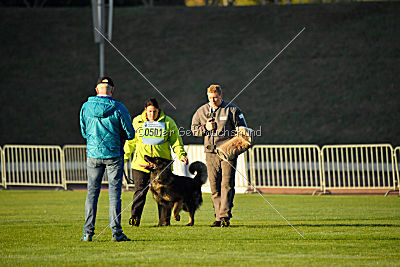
x=44 y=228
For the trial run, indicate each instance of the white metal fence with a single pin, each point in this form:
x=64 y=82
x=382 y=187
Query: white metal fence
x=33 y=165
x=266 y=166
x=75 y=166
x=286 y=166
x=196 y=153
x=75 y=163
x=358 y=167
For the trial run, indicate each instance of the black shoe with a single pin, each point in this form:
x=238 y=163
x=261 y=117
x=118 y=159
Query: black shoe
x=216 y=224
x=225 y=222
x=134 y=221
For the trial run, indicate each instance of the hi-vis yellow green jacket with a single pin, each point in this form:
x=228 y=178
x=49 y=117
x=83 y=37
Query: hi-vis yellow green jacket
x=154 y=139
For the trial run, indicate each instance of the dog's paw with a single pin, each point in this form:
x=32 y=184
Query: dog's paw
x=190 y=224
x=161 y=224
x=177 y=217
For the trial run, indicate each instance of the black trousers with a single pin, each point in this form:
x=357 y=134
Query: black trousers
x=142 y=180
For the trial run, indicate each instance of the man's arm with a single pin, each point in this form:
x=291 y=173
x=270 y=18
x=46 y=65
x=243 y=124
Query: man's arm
x=175 y=140
x=82 y=123
x=197 y=128
x=129 y=148
x=126 y=124
x=240 y=121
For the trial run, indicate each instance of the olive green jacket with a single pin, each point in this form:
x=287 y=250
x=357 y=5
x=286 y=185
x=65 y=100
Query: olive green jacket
x=172 y=140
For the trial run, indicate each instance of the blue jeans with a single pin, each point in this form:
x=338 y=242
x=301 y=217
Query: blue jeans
x=95 y=172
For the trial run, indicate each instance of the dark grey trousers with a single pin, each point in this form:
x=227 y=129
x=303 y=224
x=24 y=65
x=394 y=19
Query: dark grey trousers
x=221 y=176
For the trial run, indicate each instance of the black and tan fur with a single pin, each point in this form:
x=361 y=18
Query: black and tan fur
x=176 y=192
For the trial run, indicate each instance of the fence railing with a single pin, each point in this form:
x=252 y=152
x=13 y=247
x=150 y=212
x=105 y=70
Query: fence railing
x=75 y=166
x=396 y=156
x=196 y=153
x=3 y=180
x=334 y=167
x=358 y=167
x=286 y=166
x=75 y=163
x=33 y=165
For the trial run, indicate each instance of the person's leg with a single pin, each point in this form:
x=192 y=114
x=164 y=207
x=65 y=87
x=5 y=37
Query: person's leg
x=227 y=188
x=95 y=171
x=115 y=168
x=214 y=176
x=141 y=180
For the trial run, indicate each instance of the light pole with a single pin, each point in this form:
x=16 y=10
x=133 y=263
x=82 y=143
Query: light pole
x=99 y=23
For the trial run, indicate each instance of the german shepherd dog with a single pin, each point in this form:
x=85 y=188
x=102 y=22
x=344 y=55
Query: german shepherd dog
x=174 y=191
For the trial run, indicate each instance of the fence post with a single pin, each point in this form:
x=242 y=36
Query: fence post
x=322 y=170
x=63 y=172
x=398 y=174
x=247 y=167
x=3 y=169
x=252 y=174
x=396 y=167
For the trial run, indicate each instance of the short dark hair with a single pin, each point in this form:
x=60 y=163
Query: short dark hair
x=106 y=80
x=151 y=102
x=214 y=88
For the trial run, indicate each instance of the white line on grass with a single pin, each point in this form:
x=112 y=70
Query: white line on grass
x=105 y=38
x=266 y=199
x=255 y=77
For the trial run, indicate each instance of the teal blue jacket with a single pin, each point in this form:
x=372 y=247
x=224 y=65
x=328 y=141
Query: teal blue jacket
x=105 y=124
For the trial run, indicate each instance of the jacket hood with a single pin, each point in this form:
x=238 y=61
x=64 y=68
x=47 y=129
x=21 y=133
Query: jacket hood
x=101 y=107
x=161 y=116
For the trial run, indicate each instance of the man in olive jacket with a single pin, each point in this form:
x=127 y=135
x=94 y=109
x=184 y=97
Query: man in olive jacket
x=217 y=122
x=105 y=124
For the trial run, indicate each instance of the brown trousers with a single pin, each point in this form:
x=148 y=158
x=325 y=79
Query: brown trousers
x=221 y=176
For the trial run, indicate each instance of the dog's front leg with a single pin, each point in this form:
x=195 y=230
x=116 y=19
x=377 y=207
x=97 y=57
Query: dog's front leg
x=191 y=218
x=176 y=210
x=164 y=213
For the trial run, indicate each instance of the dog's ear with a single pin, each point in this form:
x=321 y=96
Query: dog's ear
x=164 y=162
x=148 y=159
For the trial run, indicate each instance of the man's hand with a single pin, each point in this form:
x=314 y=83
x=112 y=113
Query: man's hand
x=185 y=161
x=211 y=124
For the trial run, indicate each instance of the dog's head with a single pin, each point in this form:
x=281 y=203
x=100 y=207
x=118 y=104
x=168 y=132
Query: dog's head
x=156 y=163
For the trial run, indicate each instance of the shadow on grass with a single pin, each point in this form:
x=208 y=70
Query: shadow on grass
x=260 y=226
x=318 y=225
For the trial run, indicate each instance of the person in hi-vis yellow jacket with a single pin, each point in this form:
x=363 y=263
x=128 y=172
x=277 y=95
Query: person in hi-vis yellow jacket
x=156 y=135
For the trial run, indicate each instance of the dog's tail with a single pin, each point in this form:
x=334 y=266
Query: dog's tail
x=201 y=172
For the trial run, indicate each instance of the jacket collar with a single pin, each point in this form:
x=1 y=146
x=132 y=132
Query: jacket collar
x=223 y=104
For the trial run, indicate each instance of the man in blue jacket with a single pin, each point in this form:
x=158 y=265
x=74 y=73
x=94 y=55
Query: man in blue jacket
x=105 y=124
